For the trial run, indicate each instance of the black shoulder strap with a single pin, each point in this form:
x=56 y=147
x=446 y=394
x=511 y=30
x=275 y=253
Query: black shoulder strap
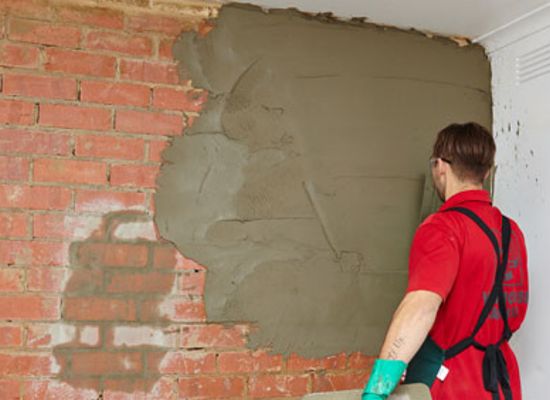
x=506 y=238
x=497 y=292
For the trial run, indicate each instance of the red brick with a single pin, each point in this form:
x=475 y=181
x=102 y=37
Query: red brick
x=100 y=17
x=79 y=388
x=100 y=363
x=125 y=388
x=98 y=309
x=297 y=363
x=14 y=169
x=45 y=279
x=163 y=389
x=174 y=99
x=103 y=201
x=49 y=225
x=177 y=309
x=278 y=386
x=244 y=362
x=141 y=176
x=13 y=224
x=182 y=362
x=192 y=283
x=154 y=123
x=156 y=148
x=334 y=382
x=80 y=63
x=168 y=257
x=210 y=387
x=120 y=43
x=360 y=361
x=70 y=171
x=9 y=390
x=198 y=336
x=2 y=26
x=165 y=49
x=25 y=30
x=39 y=86
x=110 y=147
x=11 y=280
x=16 y=112
x=10 y=336
x=17 y=252
x=25 y=364
x=113 y=254
x=204 y=28
x=29 y=8
x=29 y=307
x=21 y=141
x=150 y=282
x=12 y=55
x=85 y=280
x=154 y=23
x=62 y=226
x=56 y=390
x=68 y=116
x=39 y=336
x=115 y=93
x=34 y=197
x=146 y=71
x=134 y=389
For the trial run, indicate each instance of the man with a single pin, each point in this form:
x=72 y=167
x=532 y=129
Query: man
x=467 y=288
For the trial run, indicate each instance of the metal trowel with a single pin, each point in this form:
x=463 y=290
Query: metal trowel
x=415 y=391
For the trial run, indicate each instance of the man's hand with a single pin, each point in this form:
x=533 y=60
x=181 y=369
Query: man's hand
x=367 y=396
x=385 y=376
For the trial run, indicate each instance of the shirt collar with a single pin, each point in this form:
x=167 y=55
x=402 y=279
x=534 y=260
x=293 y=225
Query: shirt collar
x=466 y=196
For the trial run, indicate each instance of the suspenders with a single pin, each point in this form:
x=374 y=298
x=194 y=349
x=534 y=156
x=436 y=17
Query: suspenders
x=495 y=373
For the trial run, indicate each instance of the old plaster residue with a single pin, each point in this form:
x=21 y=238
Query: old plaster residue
x=118 y=308
x=301 y=184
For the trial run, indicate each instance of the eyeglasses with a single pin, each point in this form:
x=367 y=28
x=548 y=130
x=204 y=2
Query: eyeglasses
x=433 y=160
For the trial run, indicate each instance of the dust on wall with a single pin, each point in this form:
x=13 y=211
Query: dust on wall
x=302 y=182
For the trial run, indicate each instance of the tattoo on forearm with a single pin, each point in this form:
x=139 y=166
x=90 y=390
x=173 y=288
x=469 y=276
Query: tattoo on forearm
x=394 y=349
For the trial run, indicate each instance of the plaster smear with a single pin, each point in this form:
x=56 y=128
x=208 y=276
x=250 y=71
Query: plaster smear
x=302 y=182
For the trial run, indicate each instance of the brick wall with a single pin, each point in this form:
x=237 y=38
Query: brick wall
x=93 y=304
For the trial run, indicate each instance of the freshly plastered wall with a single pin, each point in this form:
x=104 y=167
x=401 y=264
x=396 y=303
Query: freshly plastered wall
x=301 y=184
x=520 y=58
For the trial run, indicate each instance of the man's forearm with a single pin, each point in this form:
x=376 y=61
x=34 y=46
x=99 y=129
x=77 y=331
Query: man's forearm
x=410 y=325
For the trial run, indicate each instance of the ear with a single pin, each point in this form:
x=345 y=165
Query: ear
x=442 y=168
x=488 y=174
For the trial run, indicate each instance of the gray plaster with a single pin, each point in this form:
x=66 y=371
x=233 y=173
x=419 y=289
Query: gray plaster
x=302 y=182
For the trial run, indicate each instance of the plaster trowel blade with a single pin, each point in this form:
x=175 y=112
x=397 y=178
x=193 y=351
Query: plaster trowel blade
x=415 y=391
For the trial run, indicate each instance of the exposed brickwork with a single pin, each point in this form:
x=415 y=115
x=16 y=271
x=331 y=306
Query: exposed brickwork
x=92 y=301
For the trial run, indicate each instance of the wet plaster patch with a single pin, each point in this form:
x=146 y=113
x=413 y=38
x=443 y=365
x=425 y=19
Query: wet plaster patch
x=301 y=184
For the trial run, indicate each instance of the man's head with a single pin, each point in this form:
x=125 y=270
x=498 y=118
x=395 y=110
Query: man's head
x=462 y=157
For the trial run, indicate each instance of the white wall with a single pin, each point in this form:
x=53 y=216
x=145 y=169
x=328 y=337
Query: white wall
x=470 y=18
x=520 y=57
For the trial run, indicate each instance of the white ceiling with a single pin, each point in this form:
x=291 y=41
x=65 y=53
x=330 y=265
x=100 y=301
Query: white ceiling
x=469 y=18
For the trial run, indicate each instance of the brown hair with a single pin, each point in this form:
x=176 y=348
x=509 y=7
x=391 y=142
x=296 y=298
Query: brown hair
x=470 y=149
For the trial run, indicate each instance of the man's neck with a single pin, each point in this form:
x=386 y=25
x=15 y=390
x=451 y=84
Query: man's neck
x=455 y=188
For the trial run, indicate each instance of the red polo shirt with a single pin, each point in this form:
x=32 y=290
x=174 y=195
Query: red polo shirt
x=452 y=257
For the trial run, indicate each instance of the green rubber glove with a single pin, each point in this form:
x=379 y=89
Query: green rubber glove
x=367 y=396
x=384 y=378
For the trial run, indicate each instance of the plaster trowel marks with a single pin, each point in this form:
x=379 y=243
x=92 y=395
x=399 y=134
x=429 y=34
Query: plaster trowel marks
x=300 y=185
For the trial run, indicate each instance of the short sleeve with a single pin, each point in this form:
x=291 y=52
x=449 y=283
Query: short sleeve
x=434 y=259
